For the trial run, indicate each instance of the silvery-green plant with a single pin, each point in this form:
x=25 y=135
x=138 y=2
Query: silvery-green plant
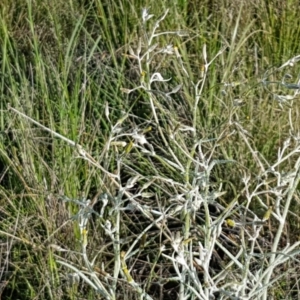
x=243 y=282
x=192 y=196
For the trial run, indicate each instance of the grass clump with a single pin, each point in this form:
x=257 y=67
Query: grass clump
x=149 y=153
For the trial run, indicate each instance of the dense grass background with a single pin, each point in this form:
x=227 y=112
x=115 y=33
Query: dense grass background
x=66 y=65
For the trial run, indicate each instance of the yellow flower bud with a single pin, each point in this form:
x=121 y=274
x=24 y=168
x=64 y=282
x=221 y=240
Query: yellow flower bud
x=230 y=223
x=267 y=214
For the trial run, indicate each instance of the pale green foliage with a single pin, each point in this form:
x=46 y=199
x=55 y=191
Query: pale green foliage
x=158 y=156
